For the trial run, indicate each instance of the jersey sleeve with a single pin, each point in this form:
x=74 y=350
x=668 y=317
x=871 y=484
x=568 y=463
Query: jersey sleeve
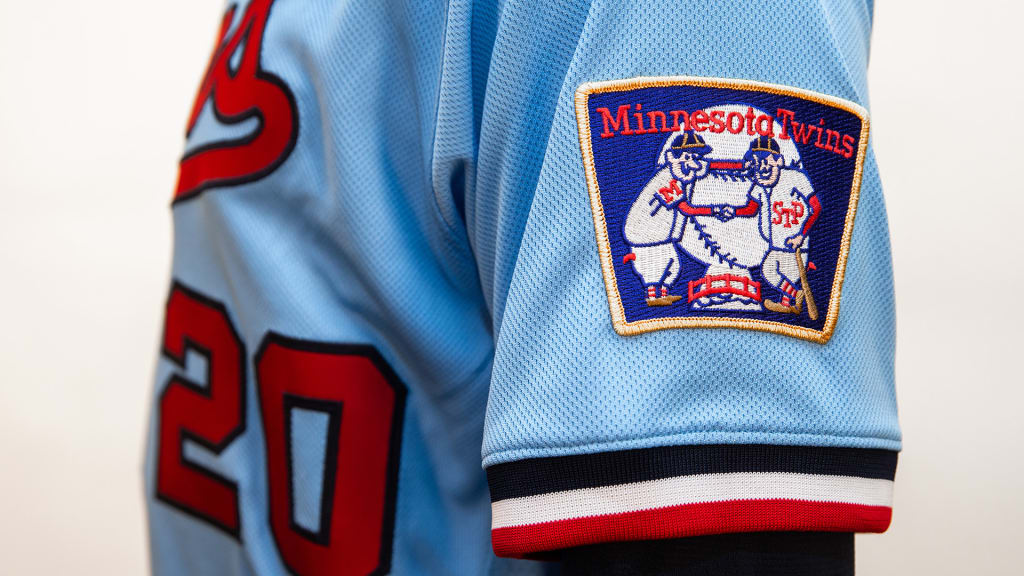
x=715 y=382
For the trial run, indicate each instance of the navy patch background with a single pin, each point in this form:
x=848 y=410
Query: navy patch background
x=624 y=164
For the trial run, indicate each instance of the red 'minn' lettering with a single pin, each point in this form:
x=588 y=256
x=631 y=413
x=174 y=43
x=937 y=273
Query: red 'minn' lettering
x=610 y=124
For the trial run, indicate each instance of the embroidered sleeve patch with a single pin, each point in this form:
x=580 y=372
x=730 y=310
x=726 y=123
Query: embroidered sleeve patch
x=721 y=203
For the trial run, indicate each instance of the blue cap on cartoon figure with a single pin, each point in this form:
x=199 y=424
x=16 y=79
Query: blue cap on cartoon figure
x=689 y=142
x=761 y=146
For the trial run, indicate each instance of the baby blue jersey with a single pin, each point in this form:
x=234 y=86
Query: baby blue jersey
x=458 y=285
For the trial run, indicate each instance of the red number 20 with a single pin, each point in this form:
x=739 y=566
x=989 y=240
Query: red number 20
x=351 y=385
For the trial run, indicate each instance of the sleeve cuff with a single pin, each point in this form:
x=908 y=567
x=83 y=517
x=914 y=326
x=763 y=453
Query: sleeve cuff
x=544 y=504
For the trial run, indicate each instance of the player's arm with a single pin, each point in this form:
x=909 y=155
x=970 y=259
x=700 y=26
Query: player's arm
x=814 y=206
x=749 y=209
x=612 y=423
x=690 y=210
x=804 y=189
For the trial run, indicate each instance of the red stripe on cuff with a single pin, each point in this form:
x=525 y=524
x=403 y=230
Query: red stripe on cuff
x=691 y=520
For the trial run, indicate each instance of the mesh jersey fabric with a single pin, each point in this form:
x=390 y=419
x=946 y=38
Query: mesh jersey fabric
x=433 y=207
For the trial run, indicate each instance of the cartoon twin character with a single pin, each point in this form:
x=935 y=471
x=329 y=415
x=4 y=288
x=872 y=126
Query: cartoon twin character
x=655 y=221
x=781 y=198
x=785 y=197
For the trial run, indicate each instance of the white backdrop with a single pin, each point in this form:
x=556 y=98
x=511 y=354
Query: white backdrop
x=93 y=102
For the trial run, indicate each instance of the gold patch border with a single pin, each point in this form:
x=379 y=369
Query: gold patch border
x=615 y=306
